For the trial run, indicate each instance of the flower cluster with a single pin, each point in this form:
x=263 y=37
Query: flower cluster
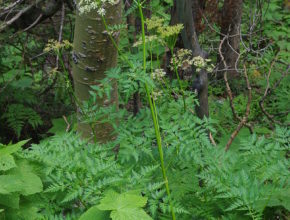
x=154 y=23
x=148 y=39
x=85 y=6
x=156 y=94
x=184 y=60
x=158 y=74
x=201 y=63
x=56 y=46
x=167 y=33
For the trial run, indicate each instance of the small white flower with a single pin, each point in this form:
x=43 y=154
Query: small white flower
x=209 y=69
x=156 y=94
x=158 y=74
x=101 y=11
x=85 y=6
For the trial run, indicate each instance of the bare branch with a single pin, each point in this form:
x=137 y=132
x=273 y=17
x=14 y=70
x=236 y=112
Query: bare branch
x=60 y=30
x=18 y=15
x=228 y=88
x=10 y=7
x=245 y=118
x=34 y=23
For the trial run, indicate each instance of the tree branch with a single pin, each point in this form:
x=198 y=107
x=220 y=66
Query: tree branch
x=245 y=118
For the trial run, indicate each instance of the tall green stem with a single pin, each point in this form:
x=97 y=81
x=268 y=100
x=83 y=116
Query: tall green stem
x=151 y=104
x=154 y=115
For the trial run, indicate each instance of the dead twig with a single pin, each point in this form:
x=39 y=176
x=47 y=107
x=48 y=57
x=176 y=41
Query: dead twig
x=228 y=88
x=245 y=118
x=10 y=7
x=67 y=123
x=60 y=31
x=34 y=23
x=18 y=15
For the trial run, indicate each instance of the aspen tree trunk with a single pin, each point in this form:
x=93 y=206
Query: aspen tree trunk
x=93 y=54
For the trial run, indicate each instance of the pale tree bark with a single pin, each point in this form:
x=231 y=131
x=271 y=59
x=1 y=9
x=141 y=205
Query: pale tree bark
x=183 y=13
x=93 y=54
x=230 y=26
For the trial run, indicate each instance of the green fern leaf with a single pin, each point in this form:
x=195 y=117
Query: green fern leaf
x=126 y=206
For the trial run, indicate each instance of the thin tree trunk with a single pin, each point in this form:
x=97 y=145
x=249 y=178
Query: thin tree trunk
x=230 y=25
x=93 y=54
x=131 y=22
x=183 y=13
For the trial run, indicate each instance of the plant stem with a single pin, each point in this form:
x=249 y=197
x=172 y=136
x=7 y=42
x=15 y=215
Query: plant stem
x=115 y=44
x=154 y=115
x=151 y=104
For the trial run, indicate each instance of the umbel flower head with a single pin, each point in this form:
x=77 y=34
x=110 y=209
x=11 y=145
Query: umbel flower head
x=184 y=60
x=54 y=45
x=85 y=6
x=148 y=39
x=167 y=33
x=154 y=23
x=158 y=74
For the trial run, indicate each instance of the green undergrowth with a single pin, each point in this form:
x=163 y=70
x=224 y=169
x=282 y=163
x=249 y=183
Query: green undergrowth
x=206 y=182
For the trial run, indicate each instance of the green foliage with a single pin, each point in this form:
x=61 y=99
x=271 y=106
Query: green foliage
x=29 y=91
x=95 y=213
x=19 y=112
x=122 y=179
x=125 y=206
x=18 y=115
x=275 y=23
x=206 y=182
x=19 y=183
x=77 y=173
x=248 y=180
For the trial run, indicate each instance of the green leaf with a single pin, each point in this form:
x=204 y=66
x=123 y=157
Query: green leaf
x=126 y=206
x=9 y=184
x=31 y=184
x=130 y=214
x=12 y=148
x=58 y=126
x=115 y=200
x=96 y=214
x=7 y=162
x=11 y=201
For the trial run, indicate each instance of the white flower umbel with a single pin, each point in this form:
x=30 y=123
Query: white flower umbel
x=101 y=11
x=158 y=74
x=85 y=6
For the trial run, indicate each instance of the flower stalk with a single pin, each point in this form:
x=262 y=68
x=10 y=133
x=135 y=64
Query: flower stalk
x=151 y=103
x=154 y=115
